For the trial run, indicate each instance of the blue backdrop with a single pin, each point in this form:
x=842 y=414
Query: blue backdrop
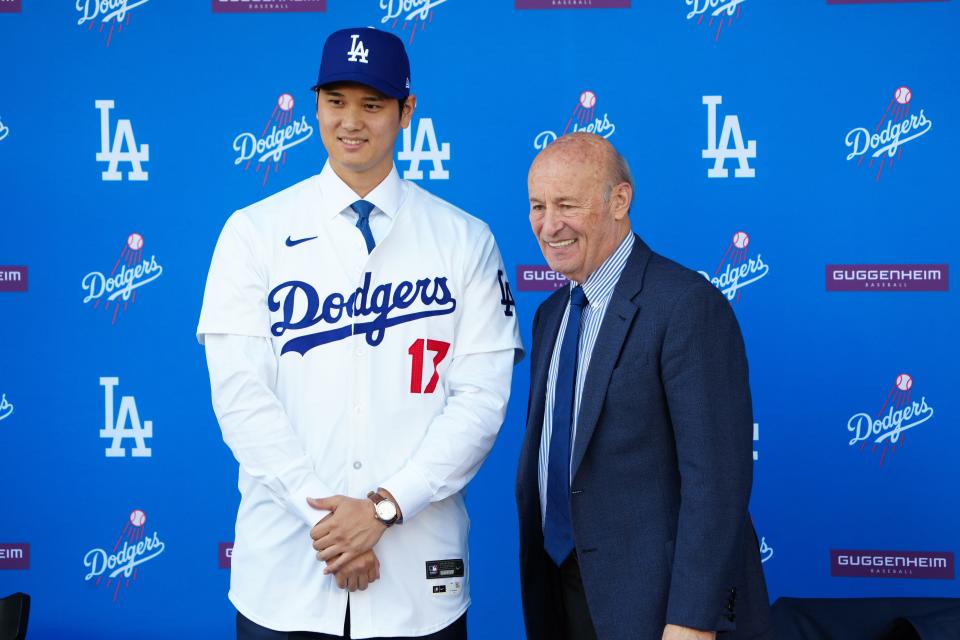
x=801 y=86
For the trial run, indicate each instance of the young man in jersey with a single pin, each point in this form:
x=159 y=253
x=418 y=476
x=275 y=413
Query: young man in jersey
x=360 y=336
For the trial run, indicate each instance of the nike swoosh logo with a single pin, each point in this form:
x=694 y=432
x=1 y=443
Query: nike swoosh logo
x=293 y=243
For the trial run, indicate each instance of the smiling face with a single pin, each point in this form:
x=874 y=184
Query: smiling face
x=577 y=228
x=359 y=127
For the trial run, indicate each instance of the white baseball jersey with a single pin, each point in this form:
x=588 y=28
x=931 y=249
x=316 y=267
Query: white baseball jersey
x=337 y=372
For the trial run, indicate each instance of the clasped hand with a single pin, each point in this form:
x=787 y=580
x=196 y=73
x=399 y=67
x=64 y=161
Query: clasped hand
x=345 y=538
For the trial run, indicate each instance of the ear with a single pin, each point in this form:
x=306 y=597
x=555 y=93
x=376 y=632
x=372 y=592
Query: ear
x=406 y=114
x=620 y=199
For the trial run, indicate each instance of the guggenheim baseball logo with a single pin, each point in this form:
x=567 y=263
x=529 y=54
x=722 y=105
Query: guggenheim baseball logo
x=268 y=6
x=225 y=555
x=723 y=12
x=412 y=14
x=14 y=556
x=737 y=268
x=114 y=14
x=120 y=563
x=13 y=279
x=118 y=288
x=571 y=4
x=539 y=277
x=884 y=142
x=282 y=132
x=10 y=6
x=888 y=277
x=583 y=118
x=929 y=565
x=885 y=430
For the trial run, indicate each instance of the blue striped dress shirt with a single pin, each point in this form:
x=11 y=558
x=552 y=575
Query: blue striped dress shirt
x=598 y=289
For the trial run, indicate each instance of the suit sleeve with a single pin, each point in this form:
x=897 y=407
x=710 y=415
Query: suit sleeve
x=705 y=377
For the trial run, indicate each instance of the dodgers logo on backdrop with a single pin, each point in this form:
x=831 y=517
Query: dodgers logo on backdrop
x=121 y=562
x=108 y=13
x=721 y=151
x=409 y=13
x=282 y=132
x=4 y=130
x=895 y=129
x=114 y=154
x=886 y=430
x=14 y=556
x=737 y=269
x=6 y=407
x=424 y=148
x=119 y=287
x=268 y=6
x=583 y=118
x=766 y=551
x=721 y=11
x=13 y=279
x=302 y=309
x=115 y=427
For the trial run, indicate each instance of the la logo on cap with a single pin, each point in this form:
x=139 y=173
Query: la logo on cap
x=357 y=51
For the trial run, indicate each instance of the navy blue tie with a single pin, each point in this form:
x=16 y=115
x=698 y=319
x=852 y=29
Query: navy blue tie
x=363 y=209
x=557 y=528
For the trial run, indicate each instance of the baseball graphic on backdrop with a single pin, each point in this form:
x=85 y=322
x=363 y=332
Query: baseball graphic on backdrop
x=588 y=99
x=285 y=101
x=904 y=382
x=138 y=518
x=902 y=95
x=741 y=240
x=135 y=241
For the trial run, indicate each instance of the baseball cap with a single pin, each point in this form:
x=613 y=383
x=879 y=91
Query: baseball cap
x=368 y=56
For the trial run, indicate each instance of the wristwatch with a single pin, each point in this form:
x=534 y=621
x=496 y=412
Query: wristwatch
x=384 y=509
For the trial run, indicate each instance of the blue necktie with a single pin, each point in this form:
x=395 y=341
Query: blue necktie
x=363 y=209
x=557 y=528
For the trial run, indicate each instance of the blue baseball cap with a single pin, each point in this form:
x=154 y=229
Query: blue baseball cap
x=368 y=56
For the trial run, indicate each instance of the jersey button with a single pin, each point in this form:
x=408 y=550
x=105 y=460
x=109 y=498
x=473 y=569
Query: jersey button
x=357 y=464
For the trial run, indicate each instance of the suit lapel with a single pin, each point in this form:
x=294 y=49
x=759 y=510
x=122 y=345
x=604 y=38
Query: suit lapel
x=613 y=331
x=550 y=317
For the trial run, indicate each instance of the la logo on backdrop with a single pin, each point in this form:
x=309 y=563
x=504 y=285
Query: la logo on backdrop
x=119 y=564
x=884 y=143
x=583 y=117
x=115 y=427
x=885 y=431
x=113 y=153
x=720 y=150
x=737 y=268
x=723 y=12
x=4 y=129
x=118 y=288
x=108 y=14
x=268 y=150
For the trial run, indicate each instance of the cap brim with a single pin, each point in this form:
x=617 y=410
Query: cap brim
x=359 y=78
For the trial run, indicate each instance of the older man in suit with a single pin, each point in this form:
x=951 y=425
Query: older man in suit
x=636 y=468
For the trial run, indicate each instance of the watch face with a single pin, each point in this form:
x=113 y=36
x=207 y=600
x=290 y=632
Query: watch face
x=386 y=510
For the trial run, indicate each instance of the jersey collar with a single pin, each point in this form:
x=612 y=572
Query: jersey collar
x=337 y=196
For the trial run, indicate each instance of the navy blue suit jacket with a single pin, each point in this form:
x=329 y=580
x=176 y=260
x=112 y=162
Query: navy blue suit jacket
x=662 y=465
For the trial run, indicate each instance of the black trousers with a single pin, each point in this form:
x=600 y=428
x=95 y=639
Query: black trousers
x=572 y=601
x=250 y=630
